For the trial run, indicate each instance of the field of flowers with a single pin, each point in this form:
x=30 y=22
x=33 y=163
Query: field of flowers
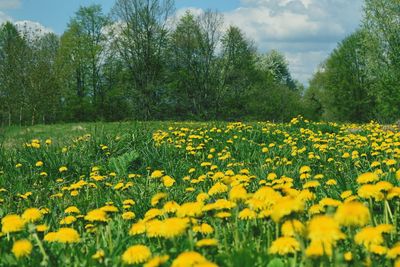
x=201 y=194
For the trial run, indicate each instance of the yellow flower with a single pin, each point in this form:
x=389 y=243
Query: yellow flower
x=129 y=215
x=168 y=181
x=304 y=169
x=208 y=242
x=72 y=209
x=191 y=259
x=284 y=246
x=39 y=164
x=156 y=174
x=138 y=228
x=22 y=248
x=96 y=215
x=324 y=231
x=42 y=228
x=169 y=228
x=370 y=191
x=286 y=206
x=67 y=235
x=63 y=169
x=394 y=252
x=348 y=256
x=247 y=214
x=369 y=236
x=204 y=228
x=98 y=255
x=157 y=197
x=136 y=254
x=352 y=214
x=238 y=193
x=157 y=261
x=367 y=178
x=32 y=215
x=190 y=209
x=292 y=227
x=68 y=220
x=12 y=223
x=218 y=188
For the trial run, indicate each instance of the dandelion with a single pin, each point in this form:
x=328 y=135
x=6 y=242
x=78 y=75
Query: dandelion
x=136 y=254
x=22 y=248
x=157 y=261
x=284 y=245
x=67 y=235
x=96 y=215
x=368 y=177
x=12 y=223
x=32 y=215
x=352 y=214
x=208 y=242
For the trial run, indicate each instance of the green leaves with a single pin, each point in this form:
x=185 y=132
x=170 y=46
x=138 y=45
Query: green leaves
x=122 y=163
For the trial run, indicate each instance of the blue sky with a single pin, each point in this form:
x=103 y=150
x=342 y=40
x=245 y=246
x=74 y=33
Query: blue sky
x=306 y=31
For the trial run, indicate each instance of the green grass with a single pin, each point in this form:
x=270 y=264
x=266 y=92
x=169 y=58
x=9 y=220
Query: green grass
x=120 y=149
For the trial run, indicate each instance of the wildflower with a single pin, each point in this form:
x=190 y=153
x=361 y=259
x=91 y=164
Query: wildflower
x=168 y=181
x=157 y=197
x=68 y=220
x=39 y=164
x=63 y=169
x=247 y=214
x=72 y=209
x=190 y=258
x=367 y=178
x=12 y=223
x=207 y=242
x=238 y=193
x=190 y=209
x=67 y=235
x=136 y=254
x=394 y=252
x=284 y=246
x=324 y=231
x=138 y=228
x=98 y=255
x=370 y=191
x=157 y=261
x=96 y=215
x=156 y=174
x=32 y=215
x=129 y=215
x=286 y=206
x=292 y=227
x=369 y=236
x=217 y=188
x=204 y=228
x=42 y=228
x=22 y=248
x=352 y=214
x=348 y=256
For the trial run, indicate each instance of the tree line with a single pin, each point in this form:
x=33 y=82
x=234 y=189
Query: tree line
x=142 y=62
x=360 y=81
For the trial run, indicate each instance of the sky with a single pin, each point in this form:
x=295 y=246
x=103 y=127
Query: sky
x=306 y=31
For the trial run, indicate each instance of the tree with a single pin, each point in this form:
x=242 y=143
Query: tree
x=80 y=62
x=381 y=22
x=13 y=50
x=238 y=70
x=194 y=63
x=276 y=64
x=141 y=43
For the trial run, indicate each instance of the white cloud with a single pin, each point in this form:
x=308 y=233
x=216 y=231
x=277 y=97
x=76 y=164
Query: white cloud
x=9 y=4
x=32 y=29
x=304 y=30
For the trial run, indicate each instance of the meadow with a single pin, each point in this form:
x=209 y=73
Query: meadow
x=200 y=194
